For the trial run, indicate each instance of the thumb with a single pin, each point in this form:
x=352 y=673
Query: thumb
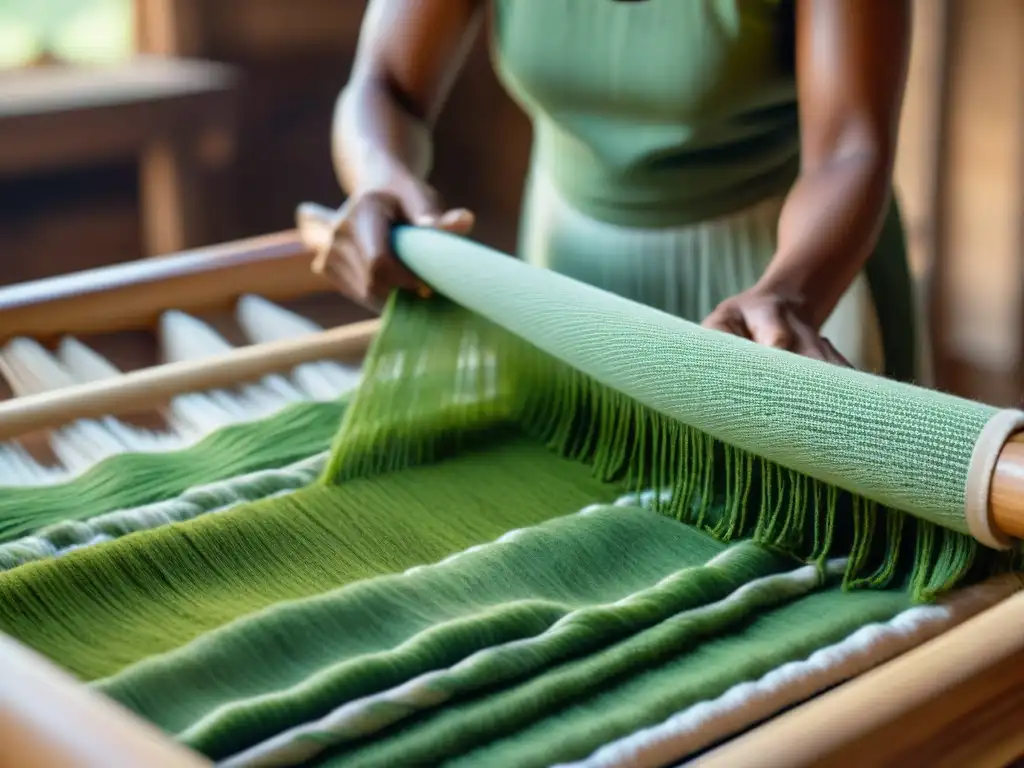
x=423 y=207
x=420 y=204
x=768 y=327
x=458 y=221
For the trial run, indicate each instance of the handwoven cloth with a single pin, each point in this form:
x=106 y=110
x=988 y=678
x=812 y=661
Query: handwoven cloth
x=436 y=598
x=595 y=634
x=805 y=456
x=132 y=479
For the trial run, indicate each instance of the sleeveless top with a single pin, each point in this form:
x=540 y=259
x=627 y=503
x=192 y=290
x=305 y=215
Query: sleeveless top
x=656 y=113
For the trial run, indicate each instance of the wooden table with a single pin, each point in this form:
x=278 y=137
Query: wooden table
x=175 y=116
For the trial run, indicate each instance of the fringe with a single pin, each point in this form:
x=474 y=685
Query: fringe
x=440 y=378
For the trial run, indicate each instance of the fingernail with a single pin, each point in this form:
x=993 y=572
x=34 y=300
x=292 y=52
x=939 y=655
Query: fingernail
x=426 y=221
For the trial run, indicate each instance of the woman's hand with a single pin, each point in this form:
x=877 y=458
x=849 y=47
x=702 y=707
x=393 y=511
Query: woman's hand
x=769 y=318
x=360 y=261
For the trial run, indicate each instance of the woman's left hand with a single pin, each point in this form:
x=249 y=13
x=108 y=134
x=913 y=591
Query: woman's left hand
x=771 y=319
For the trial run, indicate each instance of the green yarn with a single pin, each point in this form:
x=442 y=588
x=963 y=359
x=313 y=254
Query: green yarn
x=97 y=610
x=809 y=458
x=749 y=646
x=60 y=538
x=378 y=633
x=132 y=479
x=569 y=712
x=434 y=598
x=525 y=645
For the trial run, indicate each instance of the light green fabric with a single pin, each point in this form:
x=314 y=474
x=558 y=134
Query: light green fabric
x=715 y=417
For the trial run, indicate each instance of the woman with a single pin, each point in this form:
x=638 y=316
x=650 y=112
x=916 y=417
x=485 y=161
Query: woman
x=729 y=161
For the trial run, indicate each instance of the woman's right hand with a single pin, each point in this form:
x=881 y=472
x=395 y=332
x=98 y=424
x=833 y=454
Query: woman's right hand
x=360 y=261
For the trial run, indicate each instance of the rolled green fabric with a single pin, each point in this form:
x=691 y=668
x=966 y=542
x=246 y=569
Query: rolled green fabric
x=634 y=390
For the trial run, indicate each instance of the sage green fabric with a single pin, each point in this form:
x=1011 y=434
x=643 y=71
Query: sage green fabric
x=536 y=648
x=99 y=609
x=632 y=389
x=667 y=120
x=133 y=479
x=657 y=113
x=60 y=538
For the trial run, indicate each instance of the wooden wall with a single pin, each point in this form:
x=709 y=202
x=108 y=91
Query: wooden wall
x=960 y=180
x=981 y=224
x=296 y=57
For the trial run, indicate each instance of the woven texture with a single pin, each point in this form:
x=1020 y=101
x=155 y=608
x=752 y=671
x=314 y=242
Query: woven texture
x=743 y=440
x=131 y=479
x=510 y=656
x=441 y=597
x=900 y=445
x=99 y=609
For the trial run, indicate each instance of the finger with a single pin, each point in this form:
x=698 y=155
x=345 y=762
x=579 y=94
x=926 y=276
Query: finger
x=347 y=270
x=420 y=203
x=727 y=320
x=458 y=221
x=768 y=326
x=341 y=263
x=370 y=228
x=337 y=233
x=812 y=344
x=833 y=355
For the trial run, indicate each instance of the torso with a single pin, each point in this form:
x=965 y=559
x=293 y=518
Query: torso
x=658 y=113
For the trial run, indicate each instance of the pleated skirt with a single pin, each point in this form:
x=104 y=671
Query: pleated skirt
x=686 y=270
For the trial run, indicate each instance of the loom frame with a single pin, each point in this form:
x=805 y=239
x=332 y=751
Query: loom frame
x=953 y=700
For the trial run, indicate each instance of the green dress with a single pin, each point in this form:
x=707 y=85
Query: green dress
x=666 y=136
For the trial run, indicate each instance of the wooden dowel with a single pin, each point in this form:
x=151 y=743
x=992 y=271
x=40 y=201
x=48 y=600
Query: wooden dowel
x=132 y=296
x=48 y=719
x=816 y=732
x=1006 y=494
x=148 y=388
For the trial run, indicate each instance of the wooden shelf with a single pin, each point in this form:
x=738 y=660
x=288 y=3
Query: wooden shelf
x=176 y=117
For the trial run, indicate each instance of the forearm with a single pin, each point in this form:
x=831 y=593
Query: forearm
x=828 y=228
x=410 y=52
x=375 y=139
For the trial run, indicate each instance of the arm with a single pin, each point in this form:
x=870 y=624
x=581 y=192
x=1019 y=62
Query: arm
x=851 y=70
x=409 y=54
x=851 y=67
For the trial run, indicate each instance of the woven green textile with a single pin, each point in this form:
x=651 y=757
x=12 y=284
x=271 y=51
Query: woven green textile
x=132 y=479
x=439 y=597
x=99 y=609
x=770 y=437
x=535 y=648
x=206 y=498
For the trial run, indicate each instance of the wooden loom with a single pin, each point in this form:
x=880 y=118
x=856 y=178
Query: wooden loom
x=956 y=700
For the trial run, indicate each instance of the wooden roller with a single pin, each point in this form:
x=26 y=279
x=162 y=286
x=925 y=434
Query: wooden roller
x=133 y=296
x=148 y=388
x=49 y=720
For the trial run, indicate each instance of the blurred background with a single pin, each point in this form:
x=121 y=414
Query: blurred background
x=134 y=128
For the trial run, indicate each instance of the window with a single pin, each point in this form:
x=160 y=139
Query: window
x=64 y=31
